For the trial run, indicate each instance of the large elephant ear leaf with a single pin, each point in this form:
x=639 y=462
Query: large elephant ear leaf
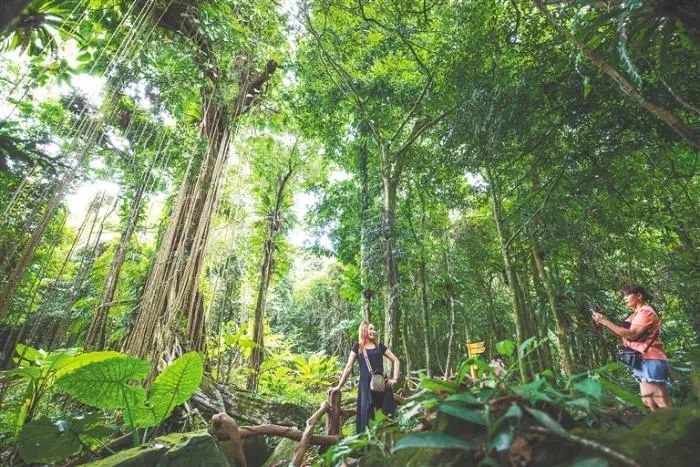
x=45 y=441
x=177 y=383
x=105 y=384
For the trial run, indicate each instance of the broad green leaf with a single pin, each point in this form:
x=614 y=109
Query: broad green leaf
x=506 y=347
x=625 y=395
x=581 y=403
x=502 y=441
x=589 y=386
x=175 y=385
x=464 y=397
x=546 y=421
x=145 y=415
x=514 y=411
x=179 y=381
x=437 y=385
x=30 y=372
x=28 y=355
x=105 y=384
x=43 y=441
x=463 y=413
x=431 y=440
x=86 y=358
x=58 y=359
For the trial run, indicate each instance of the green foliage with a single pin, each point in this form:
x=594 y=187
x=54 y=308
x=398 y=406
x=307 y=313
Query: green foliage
x=44 y=441
x=99 y=379
x=37 y=370
x=172 y=387
x=506 y=348
x=105 y=384
x=431 y=440
x=487 y=414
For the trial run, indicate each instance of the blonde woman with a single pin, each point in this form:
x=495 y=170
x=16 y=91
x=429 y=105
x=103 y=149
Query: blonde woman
x=368 y=350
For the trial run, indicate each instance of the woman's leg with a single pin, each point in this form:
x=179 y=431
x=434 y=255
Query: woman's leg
x=648 y=390
x=661 y=397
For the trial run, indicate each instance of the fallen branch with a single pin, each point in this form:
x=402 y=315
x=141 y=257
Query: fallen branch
x=614 y=455
x=308 y=432
x=225 y=426
x=285 y=432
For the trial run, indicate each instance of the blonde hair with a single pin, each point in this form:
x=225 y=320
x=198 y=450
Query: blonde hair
x=363 y=335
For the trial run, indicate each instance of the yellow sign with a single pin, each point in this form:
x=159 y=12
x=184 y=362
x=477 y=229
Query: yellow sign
x=476 y=348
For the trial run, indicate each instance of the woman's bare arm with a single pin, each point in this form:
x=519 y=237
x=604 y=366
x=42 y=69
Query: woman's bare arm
x=396 y=364
x=346 y=371
x=632 y=334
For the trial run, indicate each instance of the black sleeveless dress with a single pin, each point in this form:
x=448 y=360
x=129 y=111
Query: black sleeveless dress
x=368 y=401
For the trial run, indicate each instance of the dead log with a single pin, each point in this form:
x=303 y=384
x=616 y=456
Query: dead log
x=225 y=427
x=286 y=432
x=308 y=432
x=334 y=422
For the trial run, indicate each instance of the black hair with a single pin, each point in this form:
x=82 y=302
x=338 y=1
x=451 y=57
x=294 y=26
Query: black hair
x=634 y=289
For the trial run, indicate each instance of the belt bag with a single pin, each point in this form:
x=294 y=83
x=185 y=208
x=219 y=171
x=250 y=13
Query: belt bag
x=377 y=382
x=629 y=357
x=633 y=358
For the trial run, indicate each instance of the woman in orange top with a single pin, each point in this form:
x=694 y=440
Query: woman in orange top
x=640 y=332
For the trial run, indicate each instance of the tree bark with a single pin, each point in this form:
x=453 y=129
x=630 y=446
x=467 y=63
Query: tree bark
x=274 y=226
x=9 y=10
x=559 y=328
x=450 y=295
x=365 y=237
x=96 y=335
x=171 y=290
x=15 y=277
x=392 y=313
x=259 y=317
x=426 y=313
x=518 y=314
x=308 y=433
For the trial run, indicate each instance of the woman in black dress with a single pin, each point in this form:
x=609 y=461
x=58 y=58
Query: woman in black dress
x=368 y=401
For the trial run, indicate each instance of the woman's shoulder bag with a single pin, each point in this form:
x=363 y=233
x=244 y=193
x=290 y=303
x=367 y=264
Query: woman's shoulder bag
x=377 y=382
x=633 y=358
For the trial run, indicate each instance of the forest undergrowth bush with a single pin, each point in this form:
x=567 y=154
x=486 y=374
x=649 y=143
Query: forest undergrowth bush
x=485 y=419
x=284 y=376
x=43 y=425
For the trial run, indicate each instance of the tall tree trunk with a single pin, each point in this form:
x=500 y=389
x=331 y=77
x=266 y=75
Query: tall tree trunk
x=543 y=357
x=96 y=334
x=405 y=339
x=559 y=327
x=518 y=313
x=9 y=10
x=259 y=317
x=171 y=291
x=425 y=313
x=274 y=226
x=450 y=296
x=365 y=236
x=392 y=313
x=15 y=277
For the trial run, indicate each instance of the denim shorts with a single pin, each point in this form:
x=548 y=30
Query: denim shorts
x=652 y=371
